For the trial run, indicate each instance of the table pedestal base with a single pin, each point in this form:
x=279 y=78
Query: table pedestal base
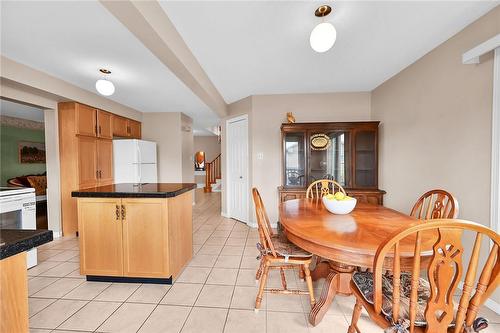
x=337 y=278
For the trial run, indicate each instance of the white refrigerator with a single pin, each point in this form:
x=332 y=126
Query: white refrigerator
x=134 y=161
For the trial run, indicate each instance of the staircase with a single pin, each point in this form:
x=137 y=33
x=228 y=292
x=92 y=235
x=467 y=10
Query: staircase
x=213 y=176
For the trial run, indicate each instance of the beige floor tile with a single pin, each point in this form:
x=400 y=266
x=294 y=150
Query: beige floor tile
x=88 y=290
x=42 y=267
x=39 y=330
x=236 y=241
x=38 y=283
x=205 y=320
x=210 y=249
x=228 y=262
x=286 y=322
x=203 y=260
x=56 y=313
x=90 y=317
x=215 y=296
x=59 y=288
x=239 y=234
x=281 y=302
x=328 y=323
x=194 y=275
x=149 y=293
x=182 y=294
x=38 y=304
x=246 y=277
x=366 y=325
x=244 y=298
x=61 y=270
x=196 y=248
x=216 y=241
x=76 y=274
x=491 y=315
x=43 y=255
x=117 y=292
x=221 y=233
x=64 y=255
x=128 y=318
x=245 y=321
x=231 y=250
x=225 y=276
x=166 y=319
x=251 y=251
x=250 y=263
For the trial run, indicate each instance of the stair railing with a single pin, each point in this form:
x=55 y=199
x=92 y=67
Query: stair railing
x=213 y=172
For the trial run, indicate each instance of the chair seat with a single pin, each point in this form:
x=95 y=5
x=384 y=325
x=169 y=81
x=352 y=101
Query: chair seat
x=364 y=283
x=285 y=248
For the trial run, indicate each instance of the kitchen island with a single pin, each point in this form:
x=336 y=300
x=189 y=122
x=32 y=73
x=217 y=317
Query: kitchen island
x=135 y=233
x=14 y=277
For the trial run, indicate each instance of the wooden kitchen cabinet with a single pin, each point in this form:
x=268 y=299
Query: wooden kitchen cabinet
x=104 y=124
x=120 y=126
x=86 y=120
x=135 y=129
x=101 y=242
x=87 y=161
x=104 y=161
x=145 y=238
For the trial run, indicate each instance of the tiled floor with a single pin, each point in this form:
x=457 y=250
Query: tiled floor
x=215 y=292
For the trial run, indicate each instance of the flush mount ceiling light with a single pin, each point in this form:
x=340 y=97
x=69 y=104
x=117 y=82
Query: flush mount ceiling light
x=323 y=36
x=103 y=85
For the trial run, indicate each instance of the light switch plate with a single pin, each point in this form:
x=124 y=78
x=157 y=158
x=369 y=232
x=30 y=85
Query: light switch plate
x=260 y=156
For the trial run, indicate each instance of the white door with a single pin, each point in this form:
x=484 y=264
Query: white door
x=237 y=168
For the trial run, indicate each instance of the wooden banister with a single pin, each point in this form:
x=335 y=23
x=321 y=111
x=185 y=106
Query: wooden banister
x=213 y=172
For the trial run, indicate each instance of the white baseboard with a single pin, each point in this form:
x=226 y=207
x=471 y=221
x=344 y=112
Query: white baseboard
x=489 y=303
x=56 y=234
x=224 y=214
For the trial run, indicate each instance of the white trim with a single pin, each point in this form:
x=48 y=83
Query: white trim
x=472 y=56
x=495 y=146
x=224 y=214
x=227 y=214
x=489 y=303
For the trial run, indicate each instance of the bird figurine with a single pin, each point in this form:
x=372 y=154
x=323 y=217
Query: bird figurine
x=290 y=117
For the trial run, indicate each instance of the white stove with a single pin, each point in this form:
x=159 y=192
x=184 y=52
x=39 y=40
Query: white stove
x=18 y=211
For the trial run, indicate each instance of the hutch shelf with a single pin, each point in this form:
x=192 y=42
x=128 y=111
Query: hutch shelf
x=346 y=152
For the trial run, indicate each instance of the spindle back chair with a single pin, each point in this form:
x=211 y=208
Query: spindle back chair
x=435 y=204
x=322 y=187
x=444 y=272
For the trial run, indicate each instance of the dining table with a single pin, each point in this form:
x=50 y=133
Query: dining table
x=344 y=243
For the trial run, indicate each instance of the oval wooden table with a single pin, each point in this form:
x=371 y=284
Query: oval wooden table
x=344 y=242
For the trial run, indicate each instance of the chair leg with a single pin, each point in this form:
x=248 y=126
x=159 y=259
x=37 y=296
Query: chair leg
x=301 y=273
x=259 y=271
x=309 y=282
x=283 y=278
x=263 y=281
x=353 y=328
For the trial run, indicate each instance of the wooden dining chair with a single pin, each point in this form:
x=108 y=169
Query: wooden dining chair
x=278 y=253
x=435 y=204
x=426 y=305
x=322 y=187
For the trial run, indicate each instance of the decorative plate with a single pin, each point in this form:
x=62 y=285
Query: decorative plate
x=320 y=142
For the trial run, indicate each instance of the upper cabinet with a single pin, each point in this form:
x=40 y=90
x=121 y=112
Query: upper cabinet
x=104 y=124
x=86 y=120
x=126 y=128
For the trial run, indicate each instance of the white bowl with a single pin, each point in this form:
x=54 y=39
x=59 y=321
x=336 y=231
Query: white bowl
x=341 y=207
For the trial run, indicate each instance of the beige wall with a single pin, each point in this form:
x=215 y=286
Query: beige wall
x=436 y=125
x=174 y=138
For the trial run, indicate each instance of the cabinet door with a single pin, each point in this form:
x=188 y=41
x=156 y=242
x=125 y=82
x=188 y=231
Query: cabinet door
x=87 y=164
x=135 y=129
x=105 y=161
x=100 y=236
x=104 y=124
x=86 y=120
x=120 y=126
x=294 y=157
x=365 y=152
x=145 y=238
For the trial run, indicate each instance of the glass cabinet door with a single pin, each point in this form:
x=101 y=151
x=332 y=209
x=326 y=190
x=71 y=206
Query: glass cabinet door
x=332 y=161
x=294 y=159
x=366 y=159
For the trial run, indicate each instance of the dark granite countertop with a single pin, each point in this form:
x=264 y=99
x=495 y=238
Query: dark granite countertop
x=128 y=190
x=14 y=241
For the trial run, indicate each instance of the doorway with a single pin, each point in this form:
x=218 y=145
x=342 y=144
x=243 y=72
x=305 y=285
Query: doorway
x=237 y=161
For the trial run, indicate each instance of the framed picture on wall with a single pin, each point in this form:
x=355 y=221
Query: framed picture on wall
x=31 y=152
x=199 y=161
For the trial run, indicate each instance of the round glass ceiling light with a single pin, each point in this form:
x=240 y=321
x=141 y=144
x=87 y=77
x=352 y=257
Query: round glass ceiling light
x=105 y=87
x=323 y=37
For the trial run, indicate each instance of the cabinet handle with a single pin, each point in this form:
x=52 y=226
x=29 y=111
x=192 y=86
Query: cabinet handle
x=97 y=174
x=99 y=129
x=117 y=212
x=100 y=173
x=124 y=212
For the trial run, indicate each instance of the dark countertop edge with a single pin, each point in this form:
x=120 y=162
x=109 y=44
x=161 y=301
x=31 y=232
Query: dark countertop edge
x=26 y=242
x=90 y=194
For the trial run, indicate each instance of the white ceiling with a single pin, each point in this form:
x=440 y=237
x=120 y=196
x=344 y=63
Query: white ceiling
x=262 y=47
x=72 y=40
x=17 y=110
